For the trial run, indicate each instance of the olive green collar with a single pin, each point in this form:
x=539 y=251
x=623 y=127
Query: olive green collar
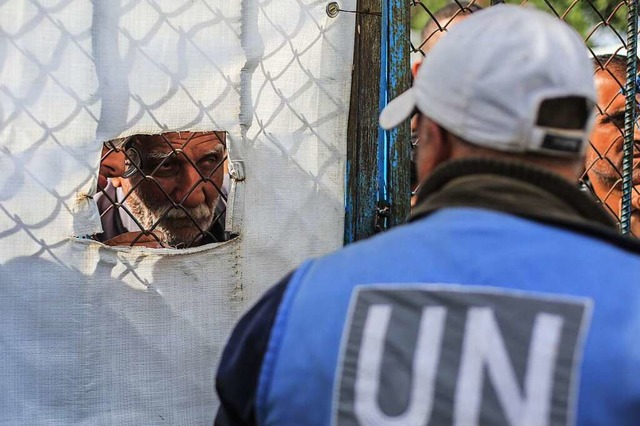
x=519 y=189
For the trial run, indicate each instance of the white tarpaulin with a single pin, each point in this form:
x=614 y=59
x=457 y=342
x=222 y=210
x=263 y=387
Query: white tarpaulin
x=91 y=334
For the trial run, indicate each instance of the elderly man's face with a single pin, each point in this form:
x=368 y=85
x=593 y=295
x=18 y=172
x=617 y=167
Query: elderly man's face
x=183 y=175
x=604 y=157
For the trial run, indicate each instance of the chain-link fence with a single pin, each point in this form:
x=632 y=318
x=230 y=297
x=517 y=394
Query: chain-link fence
x=609 y=28
x=81 y=73
x=89 y=332
x=165 y=190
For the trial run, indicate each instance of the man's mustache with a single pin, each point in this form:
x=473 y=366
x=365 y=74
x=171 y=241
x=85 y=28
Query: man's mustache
x=200 y=212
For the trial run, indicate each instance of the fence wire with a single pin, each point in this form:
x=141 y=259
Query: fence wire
x=612 y=166
x=163 y=190
x=94 y=70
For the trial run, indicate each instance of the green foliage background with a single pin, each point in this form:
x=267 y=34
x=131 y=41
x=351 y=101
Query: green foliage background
x=583 y=15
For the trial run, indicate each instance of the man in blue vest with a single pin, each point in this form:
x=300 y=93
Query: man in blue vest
x=508 y=299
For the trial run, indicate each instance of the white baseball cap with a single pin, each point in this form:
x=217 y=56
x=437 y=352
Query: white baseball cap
x=486 y=79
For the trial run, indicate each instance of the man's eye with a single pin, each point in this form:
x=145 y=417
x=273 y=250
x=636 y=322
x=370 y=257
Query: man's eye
x=615 y=119
x=618 y=122
x=169 y=164
x=209 y=162
x=162 y=168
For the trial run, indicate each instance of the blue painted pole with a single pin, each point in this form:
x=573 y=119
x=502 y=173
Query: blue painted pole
x=383 y=136
x=396 y=142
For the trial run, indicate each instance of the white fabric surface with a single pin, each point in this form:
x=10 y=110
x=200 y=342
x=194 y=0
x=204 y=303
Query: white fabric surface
x=97 y=335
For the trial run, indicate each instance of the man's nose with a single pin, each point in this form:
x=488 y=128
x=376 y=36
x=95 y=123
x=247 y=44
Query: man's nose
x=112 y=164
x=189 y=189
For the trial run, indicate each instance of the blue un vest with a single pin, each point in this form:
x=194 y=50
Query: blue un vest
x=568 y=300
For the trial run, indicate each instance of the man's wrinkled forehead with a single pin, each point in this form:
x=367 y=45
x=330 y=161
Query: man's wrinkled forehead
x=609 y=88
x=176 y=140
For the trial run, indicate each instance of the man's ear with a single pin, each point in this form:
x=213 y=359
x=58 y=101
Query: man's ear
x=442 y=148
x=436 y=150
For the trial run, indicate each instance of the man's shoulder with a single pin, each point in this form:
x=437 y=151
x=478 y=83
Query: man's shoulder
x=474 y=236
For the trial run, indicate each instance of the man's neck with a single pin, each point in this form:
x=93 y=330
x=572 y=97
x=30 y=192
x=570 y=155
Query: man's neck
x=510 y=187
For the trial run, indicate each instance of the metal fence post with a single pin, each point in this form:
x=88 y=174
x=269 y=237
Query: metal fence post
x=630 y=116
x=398 y=140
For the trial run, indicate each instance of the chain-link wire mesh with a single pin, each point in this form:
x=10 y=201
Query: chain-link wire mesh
x=101 y=71
x=603 y=25
x=76 y=74
x=163 y=190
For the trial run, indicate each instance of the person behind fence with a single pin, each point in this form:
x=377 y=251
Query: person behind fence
x=509 y=297
x=171 y=188
x=438 y=25
x=605 y=155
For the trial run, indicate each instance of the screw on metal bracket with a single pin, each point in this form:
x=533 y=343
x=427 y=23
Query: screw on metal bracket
x=333 y=9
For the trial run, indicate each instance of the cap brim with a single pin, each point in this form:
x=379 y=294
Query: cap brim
x=398 y=110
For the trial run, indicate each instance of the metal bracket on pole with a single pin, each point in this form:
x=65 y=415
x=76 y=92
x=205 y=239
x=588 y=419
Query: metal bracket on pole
x=333 y=9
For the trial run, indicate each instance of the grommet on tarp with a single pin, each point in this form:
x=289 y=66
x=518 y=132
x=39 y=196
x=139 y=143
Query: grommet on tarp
x=333 y=9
